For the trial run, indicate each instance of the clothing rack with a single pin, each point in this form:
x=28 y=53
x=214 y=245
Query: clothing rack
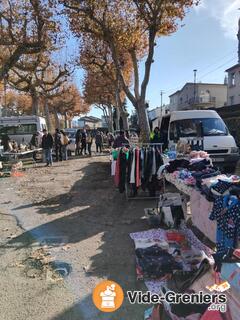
x=141 y=144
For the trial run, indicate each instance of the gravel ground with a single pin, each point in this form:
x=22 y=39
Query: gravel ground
x=73 y=211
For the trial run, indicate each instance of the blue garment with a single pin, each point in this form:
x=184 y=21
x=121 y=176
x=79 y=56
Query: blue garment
x=64 y=152
x=226 y=211
x=48 y=155
x=222 y=186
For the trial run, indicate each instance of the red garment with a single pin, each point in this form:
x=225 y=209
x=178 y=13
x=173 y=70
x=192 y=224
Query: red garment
x=138 y=179
x=117 y=172
x=211 y=315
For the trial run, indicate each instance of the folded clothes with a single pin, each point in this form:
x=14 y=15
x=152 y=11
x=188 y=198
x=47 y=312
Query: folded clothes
x=208 y=193
x=221 y=186
x=156 y=262
x=175 y=164
x=182 y=280
x=199 y=166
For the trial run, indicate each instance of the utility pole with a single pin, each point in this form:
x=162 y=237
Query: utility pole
x=161 y=93
x=194 y=86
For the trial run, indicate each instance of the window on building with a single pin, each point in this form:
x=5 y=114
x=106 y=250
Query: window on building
x=181 y=100
x=232 y=79
x=231 y=100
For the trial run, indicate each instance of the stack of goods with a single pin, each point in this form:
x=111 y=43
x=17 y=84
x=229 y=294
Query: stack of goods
x=189 y=171
x=138 y=168
x=167 y=256
x=219 y=185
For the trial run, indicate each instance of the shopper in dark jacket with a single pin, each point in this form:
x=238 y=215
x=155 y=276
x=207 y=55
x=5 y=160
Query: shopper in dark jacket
x=121 y=141
x=99 y=141
x=78 y=142
x=83 y=142
x=34 y=143
x=47 y=145
x=58 y=145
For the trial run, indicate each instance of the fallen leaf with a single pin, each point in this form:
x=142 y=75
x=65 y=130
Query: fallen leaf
x=66 y=247
x=12 y=236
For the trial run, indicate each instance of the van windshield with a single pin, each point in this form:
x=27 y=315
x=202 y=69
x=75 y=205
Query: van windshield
x=18 y=130
x=211 y=127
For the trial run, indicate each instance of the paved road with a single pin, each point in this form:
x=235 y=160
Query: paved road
x=76 y=202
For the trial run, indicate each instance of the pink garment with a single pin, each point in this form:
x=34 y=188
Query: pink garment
x=211 y=315
x=200 y=210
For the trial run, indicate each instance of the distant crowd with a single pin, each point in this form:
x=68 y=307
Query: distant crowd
x=57 y=144
x=63 y=142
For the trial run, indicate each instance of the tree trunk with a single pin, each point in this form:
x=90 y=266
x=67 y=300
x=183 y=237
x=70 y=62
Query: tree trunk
x=124 y=116
x=117 y=119
x=110 y=113
x=34 y=97
x=143 y=122
x=65 y=120
x=47 y=115
x=57 y=121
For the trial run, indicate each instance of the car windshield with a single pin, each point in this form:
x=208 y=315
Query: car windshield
x=211 y=127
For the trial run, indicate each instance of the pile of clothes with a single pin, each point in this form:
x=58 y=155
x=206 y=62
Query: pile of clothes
x=219 y=185
x=190 y=170
x=174 y=259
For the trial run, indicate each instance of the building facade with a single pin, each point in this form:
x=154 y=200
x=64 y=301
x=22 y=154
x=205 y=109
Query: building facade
x=199 y=96
x=89 y=122
x=233 y=95
x=234 y=78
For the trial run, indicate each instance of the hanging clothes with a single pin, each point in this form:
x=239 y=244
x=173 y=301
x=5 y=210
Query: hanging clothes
x=138 y=168
x=154 y=168
x=226 y=211
x=132 y=177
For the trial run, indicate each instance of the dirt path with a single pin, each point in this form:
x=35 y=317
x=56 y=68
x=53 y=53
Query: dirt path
x=72 y=203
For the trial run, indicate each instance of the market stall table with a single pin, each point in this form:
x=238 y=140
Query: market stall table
x=199 y=205
x=23 y=155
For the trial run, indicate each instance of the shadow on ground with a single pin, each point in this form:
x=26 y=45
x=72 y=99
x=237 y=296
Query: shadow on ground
x=103 y=210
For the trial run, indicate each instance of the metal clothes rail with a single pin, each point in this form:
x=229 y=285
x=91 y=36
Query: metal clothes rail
x=141 y=145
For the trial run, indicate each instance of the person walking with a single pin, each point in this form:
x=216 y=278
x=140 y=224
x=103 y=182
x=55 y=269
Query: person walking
x=58 y=145
x=110 y=139
x=89 y=143
x=34 y=143
x=47 y=145
x=64 y=143
x=99 y=141
x=78 y=142
x=83 y=142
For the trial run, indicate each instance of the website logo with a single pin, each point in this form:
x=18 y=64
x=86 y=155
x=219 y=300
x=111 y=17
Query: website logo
x=108 y=296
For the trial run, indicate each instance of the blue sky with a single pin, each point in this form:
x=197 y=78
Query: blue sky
x=207 y=42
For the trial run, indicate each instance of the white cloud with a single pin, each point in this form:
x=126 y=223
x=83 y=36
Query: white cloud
x=224 y=11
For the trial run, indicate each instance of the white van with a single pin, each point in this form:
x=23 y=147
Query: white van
x=21 y=128
x=217 y=140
